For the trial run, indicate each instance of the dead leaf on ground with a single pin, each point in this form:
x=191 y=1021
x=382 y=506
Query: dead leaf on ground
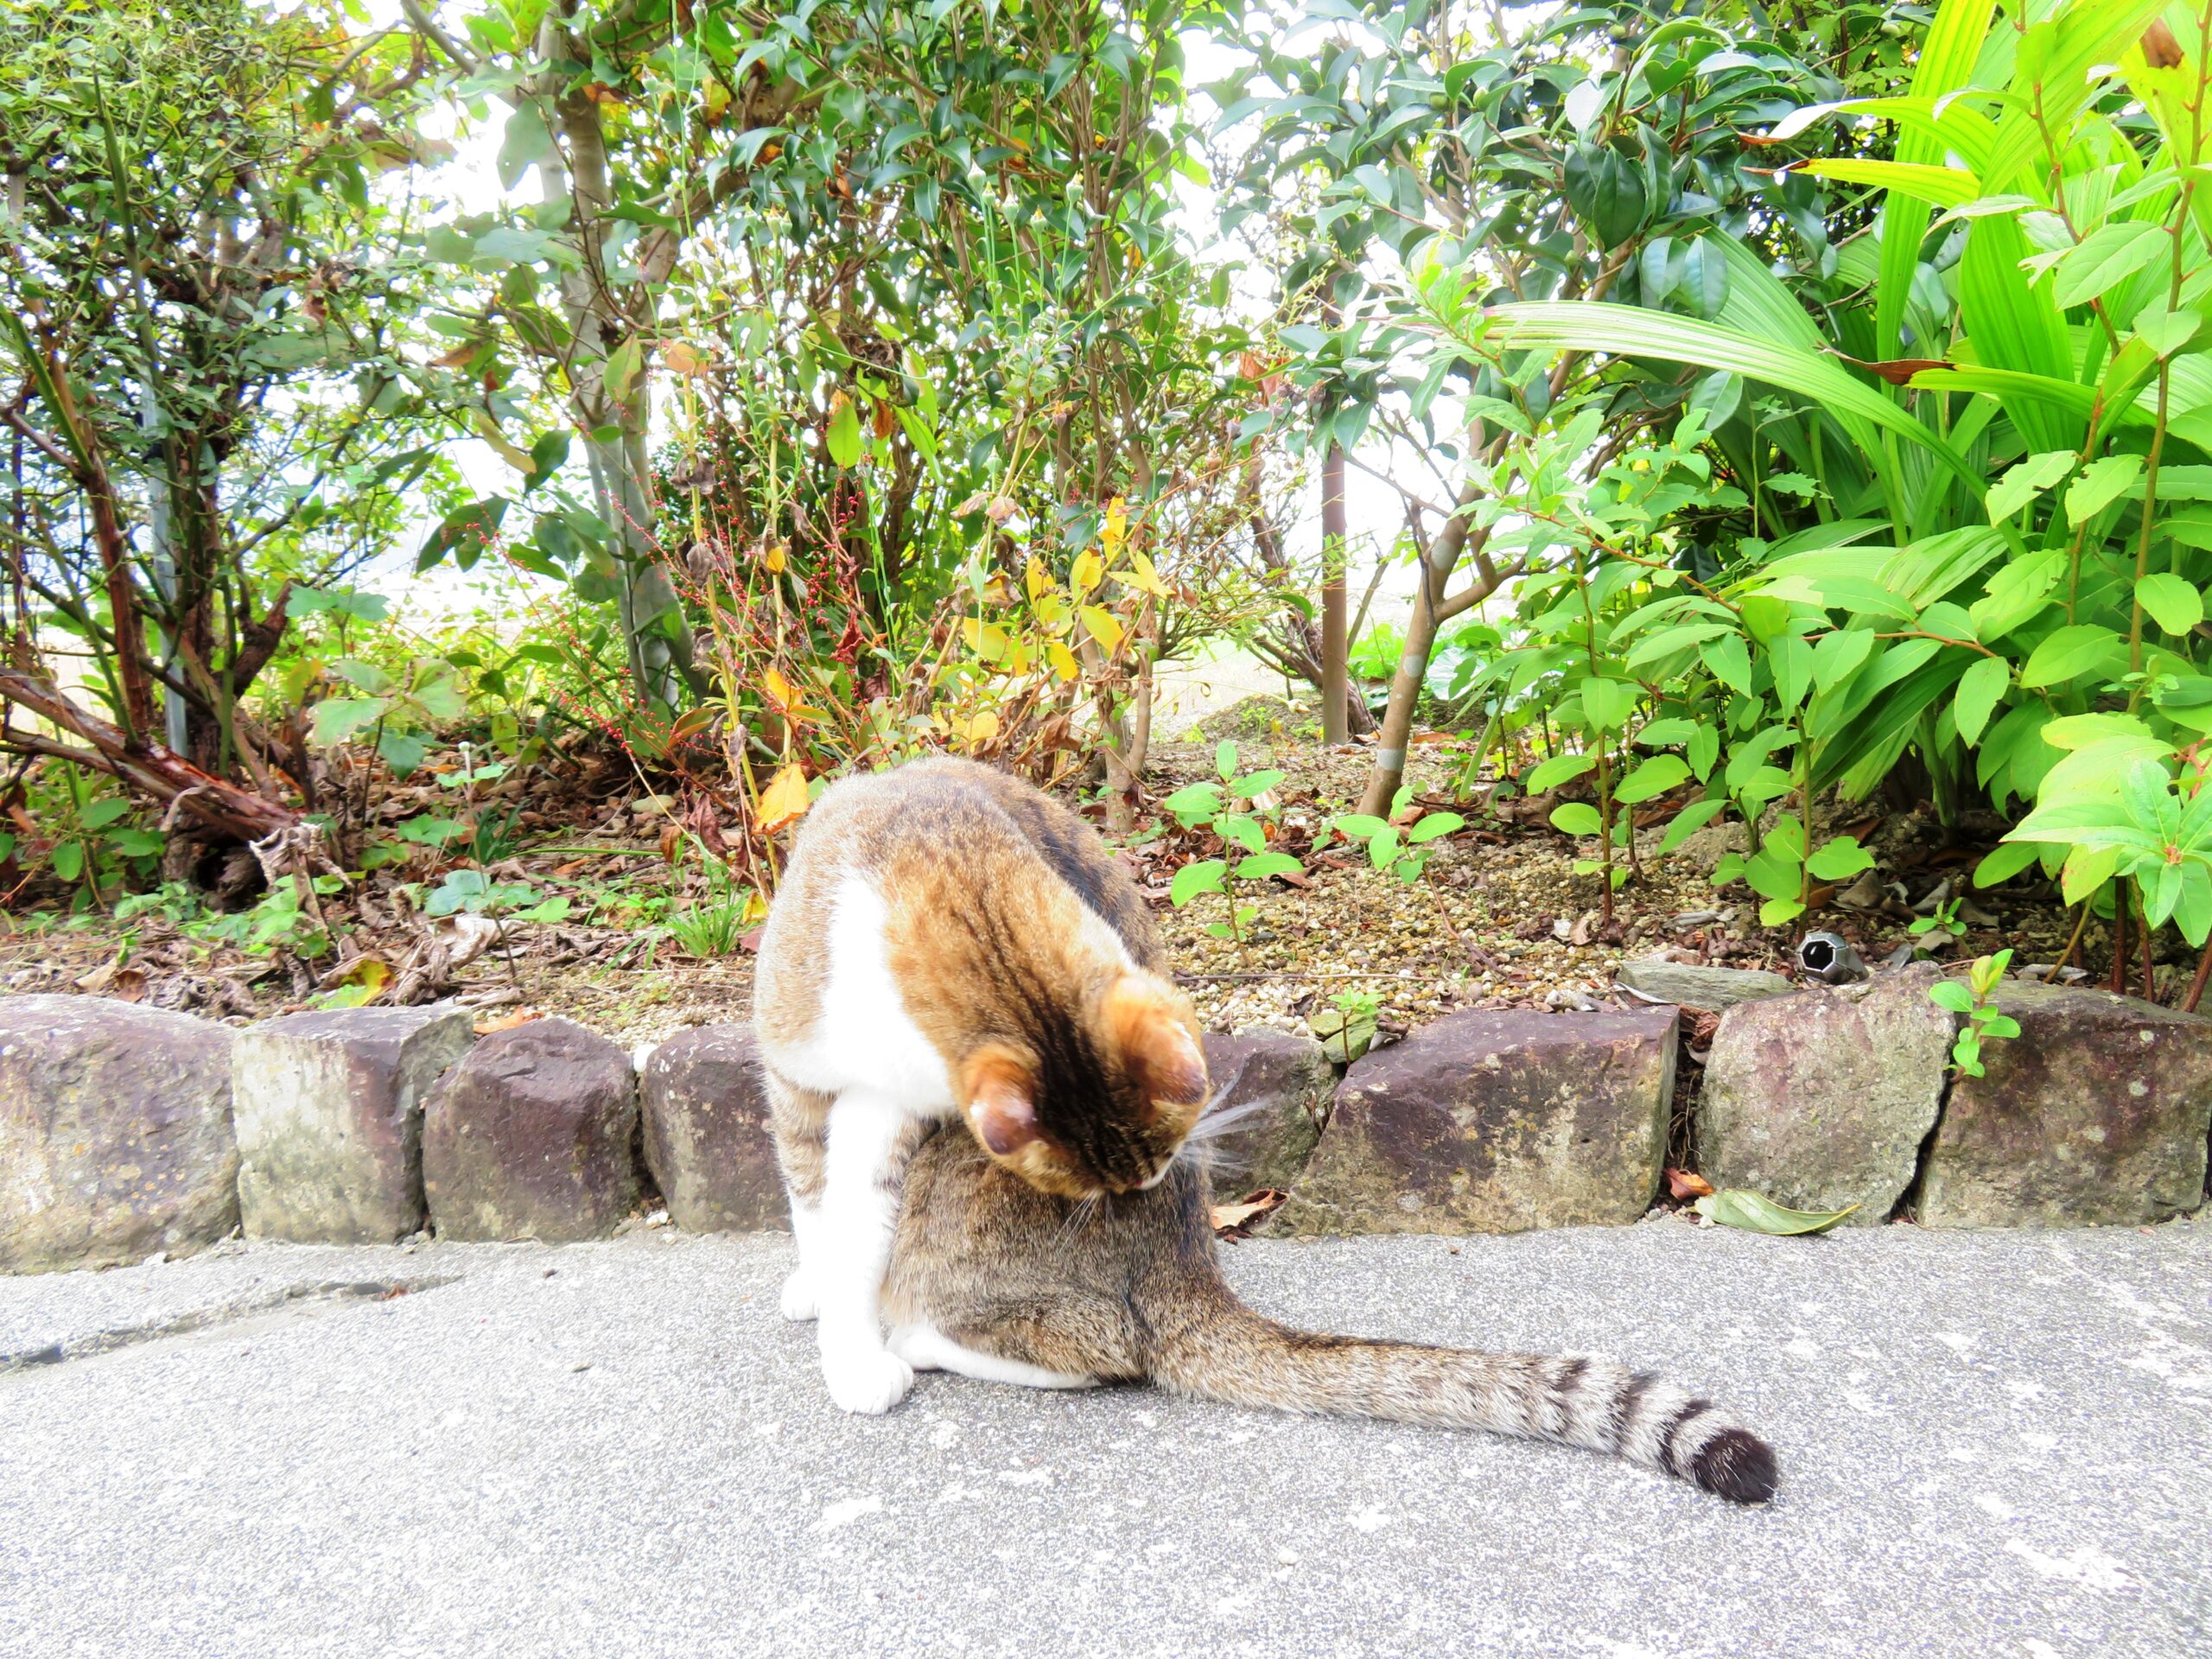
x=507 y=1021
x=1232 y=1220
x=1686 y=1184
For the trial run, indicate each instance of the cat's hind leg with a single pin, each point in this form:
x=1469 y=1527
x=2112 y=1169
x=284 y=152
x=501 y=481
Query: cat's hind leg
x=800 y=1120
x=925 y=1348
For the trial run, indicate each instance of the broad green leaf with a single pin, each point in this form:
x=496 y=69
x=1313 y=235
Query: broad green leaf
x=1194 y=801
x=1734 y=1207
x=2071 y=651
x=1241 y=831
x=2105 y=259
x=1608 y=703
x=1839 y=655
x=2026 y=479
x=2167 y=332
x=1433 y=824
x=1257 y=783
x=2173 y=604
x=1687 y=822
x=1266 y=864
x=2101 y=484
x=842 y=435
x=1550 y=774
x=1607 y=191
x=1576 y=818
x=337 y=719
x=1665 y=734
x=1654 y=777
x=1358 y=826
x=2005 y=861
x=1224 y=758
x=1780 y=912
x=1773 y=872
x=1192 y=880
x=1730 y=661
x=1980 y=688
x=1840 y=859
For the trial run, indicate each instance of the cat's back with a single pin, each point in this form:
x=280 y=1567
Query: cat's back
x=927 y=842
x=949 y=824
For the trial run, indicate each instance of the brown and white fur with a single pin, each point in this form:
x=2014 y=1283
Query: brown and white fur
x=992 y=1279
x=948 y=943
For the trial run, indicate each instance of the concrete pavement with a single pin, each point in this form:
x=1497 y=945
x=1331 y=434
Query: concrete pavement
x=1995 y=1444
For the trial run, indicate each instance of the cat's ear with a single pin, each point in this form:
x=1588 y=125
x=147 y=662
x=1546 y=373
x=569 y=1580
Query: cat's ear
x=1154 y=1030
x=1002 y=1101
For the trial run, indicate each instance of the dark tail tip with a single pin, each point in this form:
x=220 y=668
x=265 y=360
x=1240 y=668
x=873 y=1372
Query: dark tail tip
x=1737 y=1464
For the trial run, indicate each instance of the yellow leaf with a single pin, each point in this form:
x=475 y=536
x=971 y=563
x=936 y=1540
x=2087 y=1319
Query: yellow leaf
x=684 y=359
x=1063 y=659
x=777 y=556
x=784 y=801
x=779 y=688
x=1141 y=575
x=1088 y=572
x=1105 y=626
x=1037 y=579
x=983 y=729
x=1116 y=529
x=987 y=639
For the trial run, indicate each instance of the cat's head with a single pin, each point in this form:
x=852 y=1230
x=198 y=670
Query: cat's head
x=1092 y=1102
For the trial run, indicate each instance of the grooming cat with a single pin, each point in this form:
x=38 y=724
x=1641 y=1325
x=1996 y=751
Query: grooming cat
x=995 y=1280
x=948 y=943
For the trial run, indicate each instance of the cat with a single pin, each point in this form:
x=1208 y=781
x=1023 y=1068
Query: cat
x=992 y=1279
x=948 y=943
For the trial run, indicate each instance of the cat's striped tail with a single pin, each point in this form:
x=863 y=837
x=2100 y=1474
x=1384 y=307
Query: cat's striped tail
x=1223 y=1351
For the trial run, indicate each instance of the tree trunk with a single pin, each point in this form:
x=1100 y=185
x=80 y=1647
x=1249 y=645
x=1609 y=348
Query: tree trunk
x=1335 y=671
x=659 y=655
x=1431 y=611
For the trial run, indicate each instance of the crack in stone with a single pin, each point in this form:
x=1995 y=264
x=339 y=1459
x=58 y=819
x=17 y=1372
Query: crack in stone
x=208 y=1319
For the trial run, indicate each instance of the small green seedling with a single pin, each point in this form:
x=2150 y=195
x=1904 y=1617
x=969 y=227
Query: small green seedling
x=1944 y=920
x=1346 y=1029
x=1235 y=808
x=476 y=893
x=1972 y=1000
x=1404 y=853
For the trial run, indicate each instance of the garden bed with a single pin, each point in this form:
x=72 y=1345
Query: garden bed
x=1498 y=918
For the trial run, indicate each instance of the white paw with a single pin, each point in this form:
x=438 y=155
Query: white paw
x=917 y=1345
x=867 y=1380
x=800 y=1303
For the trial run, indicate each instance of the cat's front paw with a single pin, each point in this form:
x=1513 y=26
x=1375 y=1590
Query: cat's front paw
x=869 y=1381
x=800 y=1303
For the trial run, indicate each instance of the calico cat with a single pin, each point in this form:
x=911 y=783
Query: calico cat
x=993 y=1279
x=948 y=943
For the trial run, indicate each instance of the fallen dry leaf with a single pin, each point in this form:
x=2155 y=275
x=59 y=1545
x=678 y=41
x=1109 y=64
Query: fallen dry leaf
x=1231 y=1219
x=507 y=1021
x=783 y=802
x=1685 y=1185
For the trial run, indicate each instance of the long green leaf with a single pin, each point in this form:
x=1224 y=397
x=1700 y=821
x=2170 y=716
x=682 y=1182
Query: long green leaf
x=2015 y=325
x=1946 y=58
x=2014 y=388
x=1585 y=326
x=1942 y=186
x=2092 y=31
